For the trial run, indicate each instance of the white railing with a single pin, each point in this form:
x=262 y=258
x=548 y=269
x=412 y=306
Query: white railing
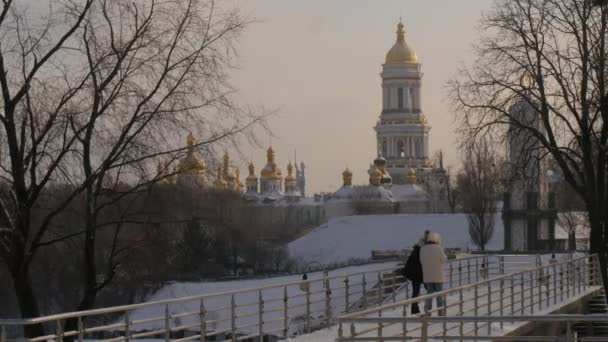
x=280 y=310
x=516 y=294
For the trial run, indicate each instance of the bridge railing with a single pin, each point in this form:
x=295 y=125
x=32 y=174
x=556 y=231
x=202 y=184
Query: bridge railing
x=282 y=310
x=518 y=293
x=566 y=323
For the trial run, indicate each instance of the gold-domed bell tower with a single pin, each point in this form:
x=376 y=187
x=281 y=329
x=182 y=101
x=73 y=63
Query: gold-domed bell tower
x=291 y=185
x=252 y=180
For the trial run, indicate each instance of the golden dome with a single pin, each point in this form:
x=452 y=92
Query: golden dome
x=290 y=177
x=190 y=140
x=251 y=177
x=271 y=171
x=347 y=177
x=237 y=179
x=410 y=176
x=375 y=177
x=219 y=179
x=401 y=51
x=191 y=164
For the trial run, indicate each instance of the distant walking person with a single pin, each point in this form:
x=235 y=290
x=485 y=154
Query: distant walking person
x=413 y=271
x=432 y=259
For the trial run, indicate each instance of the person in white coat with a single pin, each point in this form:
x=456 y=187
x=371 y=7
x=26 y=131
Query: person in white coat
x=432 y=258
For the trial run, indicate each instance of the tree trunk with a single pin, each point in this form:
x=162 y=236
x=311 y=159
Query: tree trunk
x=27 y=302
x=597 y=245
x=571 y=241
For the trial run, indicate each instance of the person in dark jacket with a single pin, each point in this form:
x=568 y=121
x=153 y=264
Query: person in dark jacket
x=413 y=271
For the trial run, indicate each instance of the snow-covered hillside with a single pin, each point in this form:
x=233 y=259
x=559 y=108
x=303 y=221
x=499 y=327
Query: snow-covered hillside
x=354 y=237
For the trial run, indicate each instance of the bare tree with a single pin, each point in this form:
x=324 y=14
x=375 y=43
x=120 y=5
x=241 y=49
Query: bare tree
x=572 y=223
x=453 y=193
x=552 y=55
x=91 y=98
x=479 y=190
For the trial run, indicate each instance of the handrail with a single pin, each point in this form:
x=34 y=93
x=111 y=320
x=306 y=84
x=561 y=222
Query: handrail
x=278 y=309
x=525 y=291
x=453 y=289
x=129 y=307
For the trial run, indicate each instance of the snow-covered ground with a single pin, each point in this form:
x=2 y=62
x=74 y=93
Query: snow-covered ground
x=218 y=302
x=354 y=237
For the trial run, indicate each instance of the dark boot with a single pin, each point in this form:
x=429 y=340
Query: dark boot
x=415 y=309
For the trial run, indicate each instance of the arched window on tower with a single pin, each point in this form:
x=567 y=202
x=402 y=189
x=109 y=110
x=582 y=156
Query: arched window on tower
x=411 y=100
x=384 y=148
x=400 y=97
x=401 y=149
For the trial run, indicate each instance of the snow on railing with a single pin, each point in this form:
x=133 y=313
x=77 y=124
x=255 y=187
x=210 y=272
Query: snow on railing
x=517 y=294
x=280 y=310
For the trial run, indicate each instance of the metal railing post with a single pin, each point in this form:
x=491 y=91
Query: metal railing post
x=501 y=302
x=232 y=319
x=261 y=315
x=59 y=331
x=201 y=320
x=489 y=307
x=404 y=324
x=461 y=313
x=394 y=286
x=477 y=273
x=167 y=324
x=539 y=284
x=522 y=292
x=531 y=291
x=554 y=284
x=561 y=282
x=451 y=275
x=475 y=305
x=308 y=309
x=346 y=295
x=327 y=300
x=468 y=271
x=380 y=326
x=459 y=273
x=2 y=333
x=363 y=291
x=424 y=332
x=501 y=264
x=512 y=289
x=127 y=326
x=569 y=335
x=380 y=288
x=80 y=329
x=286 y=312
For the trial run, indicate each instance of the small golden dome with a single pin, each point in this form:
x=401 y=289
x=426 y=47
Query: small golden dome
x=347 y=177
x=410 y=176
x=252 y=177
x=190 y=140
x=375 y=178
x=290 y=177
x=191 y=164
x=401 y=51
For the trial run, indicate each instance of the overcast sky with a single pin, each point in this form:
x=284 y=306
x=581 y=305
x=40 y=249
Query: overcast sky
x=318 y=62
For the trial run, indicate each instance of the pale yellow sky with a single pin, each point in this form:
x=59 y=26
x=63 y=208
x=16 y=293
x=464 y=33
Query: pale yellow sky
x=318 y=63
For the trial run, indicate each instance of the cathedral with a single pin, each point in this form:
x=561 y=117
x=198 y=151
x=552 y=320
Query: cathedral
x=401 y=178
